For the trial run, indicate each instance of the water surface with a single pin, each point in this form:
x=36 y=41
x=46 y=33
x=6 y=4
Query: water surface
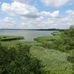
x=27 y=34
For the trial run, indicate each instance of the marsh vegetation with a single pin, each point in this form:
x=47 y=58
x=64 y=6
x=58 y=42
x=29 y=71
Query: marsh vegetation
x=52 y=54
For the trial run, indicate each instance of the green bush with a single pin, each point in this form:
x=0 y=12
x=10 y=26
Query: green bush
x=63 y=41
x=18 y=60
x=71 y=59
x=10 y=38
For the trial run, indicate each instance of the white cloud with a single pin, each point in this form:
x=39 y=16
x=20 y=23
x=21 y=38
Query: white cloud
x=38 y=23
x=42 y=23
x=19 y=8
x=7 y=22
x=31 y=18
x=21 y=0
x=61 y=22
x=70 y=12
x=26 y=10
x=5 y=7
x=24 y=1
x=55 y=3
x=53 y=14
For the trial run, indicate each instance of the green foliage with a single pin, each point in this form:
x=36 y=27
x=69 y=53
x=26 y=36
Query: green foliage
x=71 y=59
x=55 y=61
x=25 y=57
x=18 y=60
x=10 y=38
x=63 y=41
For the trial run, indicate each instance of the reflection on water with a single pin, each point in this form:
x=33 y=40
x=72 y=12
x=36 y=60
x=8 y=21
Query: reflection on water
x=28 y=34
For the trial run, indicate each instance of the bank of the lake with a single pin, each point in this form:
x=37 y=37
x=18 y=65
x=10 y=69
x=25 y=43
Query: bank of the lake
x=29 y=35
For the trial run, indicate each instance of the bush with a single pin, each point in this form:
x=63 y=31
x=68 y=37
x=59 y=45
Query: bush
x=18 y=61
x=71 y=59
x=63 y=41
x=10 y=38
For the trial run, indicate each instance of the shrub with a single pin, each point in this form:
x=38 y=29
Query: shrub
x=18 y=60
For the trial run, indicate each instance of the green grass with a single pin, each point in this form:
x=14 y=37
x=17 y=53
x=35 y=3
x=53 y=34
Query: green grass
x=10 y=38
x=54 y=61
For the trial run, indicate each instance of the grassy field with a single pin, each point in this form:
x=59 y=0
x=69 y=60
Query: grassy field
x=55 y=61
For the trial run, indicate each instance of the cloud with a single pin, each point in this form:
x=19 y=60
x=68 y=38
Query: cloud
x=30 y=17
x=38 y=23
x=55 y=3
x=24 y=1
x=61 y=22
x=70 y=12
x=7 y=22
x=53 y=14
x=5 y=7
x=19 y=8
x=43 y=23
x=26 y=10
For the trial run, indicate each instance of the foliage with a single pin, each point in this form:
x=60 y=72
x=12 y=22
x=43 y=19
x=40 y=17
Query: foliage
x=55 y=61
x=71 y=59
x=63 y=41
x=10 y=38
x=19 y=61
x=39 y=56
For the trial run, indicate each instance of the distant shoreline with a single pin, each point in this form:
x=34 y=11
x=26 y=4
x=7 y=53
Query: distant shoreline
x=37 y=29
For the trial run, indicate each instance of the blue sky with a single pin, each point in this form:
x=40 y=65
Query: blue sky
x=36 y=14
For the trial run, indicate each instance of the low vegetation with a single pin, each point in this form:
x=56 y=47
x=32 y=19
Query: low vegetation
x=10 y=38
x=55 y=61
x=19 y=61
x=52 y=54
x=62 y=41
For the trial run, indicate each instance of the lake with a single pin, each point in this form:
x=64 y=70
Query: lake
x=29 y=35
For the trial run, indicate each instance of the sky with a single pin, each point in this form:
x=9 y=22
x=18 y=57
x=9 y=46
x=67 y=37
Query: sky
x=36 y=14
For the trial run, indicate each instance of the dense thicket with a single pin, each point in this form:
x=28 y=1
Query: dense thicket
x=18 y=60
x=63 y=41
x=55 y=51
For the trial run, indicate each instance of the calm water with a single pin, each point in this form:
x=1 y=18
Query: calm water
x=27 y=34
